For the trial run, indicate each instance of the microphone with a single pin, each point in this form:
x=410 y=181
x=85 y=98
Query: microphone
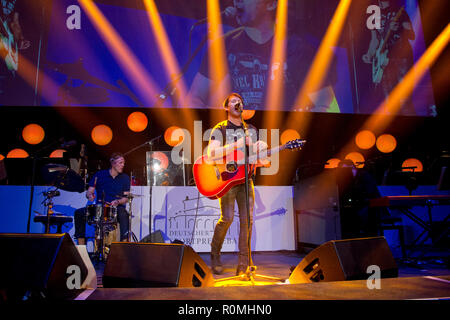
x=238 y=107
x=228 y=13
x=70 y=143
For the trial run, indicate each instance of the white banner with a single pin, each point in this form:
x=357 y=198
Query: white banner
x=178 y=212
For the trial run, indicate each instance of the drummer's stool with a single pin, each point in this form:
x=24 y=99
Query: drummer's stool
x=55 y=219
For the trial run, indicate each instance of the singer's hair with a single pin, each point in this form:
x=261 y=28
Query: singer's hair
x=115 y=156
x=227 y=99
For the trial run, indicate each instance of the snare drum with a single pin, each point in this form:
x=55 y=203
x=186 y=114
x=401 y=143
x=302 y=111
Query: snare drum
x=98 y=212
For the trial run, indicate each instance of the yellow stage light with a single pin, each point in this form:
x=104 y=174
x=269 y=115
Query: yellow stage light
x=386 y=143
x=137 y=121
x=33 y=133
x=17 y=153
x=2 y=157
x=365 y=139
x=101 y=135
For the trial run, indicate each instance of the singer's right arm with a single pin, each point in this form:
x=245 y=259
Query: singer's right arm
x=216 y=151
x=90 y=193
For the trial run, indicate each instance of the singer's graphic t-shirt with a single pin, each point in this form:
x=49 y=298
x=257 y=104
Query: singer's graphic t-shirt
x=251 y=69
x=227 y=132
x=108 y=187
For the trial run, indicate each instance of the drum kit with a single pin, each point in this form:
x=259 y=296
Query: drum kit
x=102 y=215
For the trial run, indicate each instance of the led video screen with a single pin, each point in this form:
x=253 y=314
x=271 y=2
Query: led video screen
x=117 y=53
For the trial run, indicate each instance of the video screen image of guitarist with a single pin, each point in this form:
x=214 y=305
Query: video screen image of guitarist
x=389 y=53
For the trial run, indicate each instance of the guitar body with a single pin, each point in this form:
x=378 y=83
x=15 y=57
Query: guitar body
x=215 y=178
x=380 y=61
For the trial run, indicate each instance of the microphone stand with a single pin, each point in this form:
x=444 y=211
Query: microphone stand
x=34 y=156
x=150 y=143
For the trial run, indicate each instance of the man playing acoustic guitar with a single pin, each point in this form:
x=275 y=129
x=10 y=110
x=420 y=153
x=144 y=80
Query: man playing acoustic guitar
x=233 y=130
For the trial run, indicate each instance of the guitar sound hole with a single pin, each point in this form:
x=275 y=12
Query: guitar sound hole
x=231 y=166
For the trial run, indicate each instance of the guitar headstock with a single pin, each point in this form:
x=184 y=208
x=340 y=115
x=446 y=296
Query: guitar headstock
x=295 y=144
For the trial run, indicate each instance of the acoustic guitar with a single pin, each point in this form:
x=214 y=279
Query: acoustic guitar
x=215 y=178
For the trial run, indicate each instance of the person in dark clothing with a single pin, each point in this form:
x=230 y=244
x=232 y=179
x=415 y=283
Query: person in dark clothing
x=233 y=130
x=109 y=187
x=356 y=187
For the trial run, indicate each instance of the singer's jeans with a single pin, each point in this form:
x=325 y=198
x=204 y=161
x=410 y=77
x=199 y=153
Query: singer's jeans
x=80 y=217
x=227 y=204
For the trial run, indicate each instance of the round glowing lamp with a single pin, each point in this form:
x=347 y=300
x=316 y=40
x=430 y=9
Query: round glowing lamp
x=365 y=139
x=33 y=133
x=409 y=164
x=288 y=135
x=137 y=121
x=386 y=143
x=160 y=162
x=357 y=158
x=101 y=135
x=58 y=153
x=174 y=136
x=17 y=153
x=248 y=114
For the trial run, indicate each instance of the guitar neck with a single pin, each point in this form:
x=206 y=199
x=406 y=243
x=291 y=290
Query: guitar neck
x=267 y=153
x=388 y=35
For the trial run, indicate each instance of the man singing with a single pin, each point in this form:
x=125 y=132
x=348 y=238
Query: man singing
x=233 y=130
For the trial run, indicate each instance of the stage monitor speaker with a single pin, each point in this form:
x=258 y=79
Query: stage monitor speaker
x=37 y=266
x=340 y=260
x=138 y=265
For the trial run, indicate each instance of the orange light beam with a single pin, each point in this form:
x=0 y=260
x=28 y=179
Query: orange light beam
x=165 y=48
x=218 y=66
x=378 y=122
x=127 y=60
x=392 y=104
x=275 y=77
x=170 y=62
x=275 y=81
x=322 y=60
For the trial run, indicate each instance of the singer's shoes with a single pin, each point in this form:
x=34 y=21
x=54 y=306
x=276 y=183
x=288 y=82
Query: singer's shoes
x=216 y=264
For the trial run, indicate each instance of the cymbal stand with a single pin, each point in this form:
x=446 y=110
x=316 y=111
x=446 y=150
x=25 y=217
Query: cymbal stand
x=130 y=233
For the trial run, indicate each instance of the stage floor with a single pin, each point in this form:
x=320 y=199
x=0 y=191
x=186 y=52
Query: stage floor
x=429 y=281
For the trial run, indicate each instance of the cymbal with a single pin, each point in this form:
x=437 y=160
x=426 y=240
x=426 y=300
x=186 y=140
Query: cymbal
x=130 y=195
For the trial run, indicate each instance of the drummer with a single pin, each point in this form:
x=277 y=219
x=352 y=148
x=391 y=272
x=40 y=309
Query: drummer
x=109 y=187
